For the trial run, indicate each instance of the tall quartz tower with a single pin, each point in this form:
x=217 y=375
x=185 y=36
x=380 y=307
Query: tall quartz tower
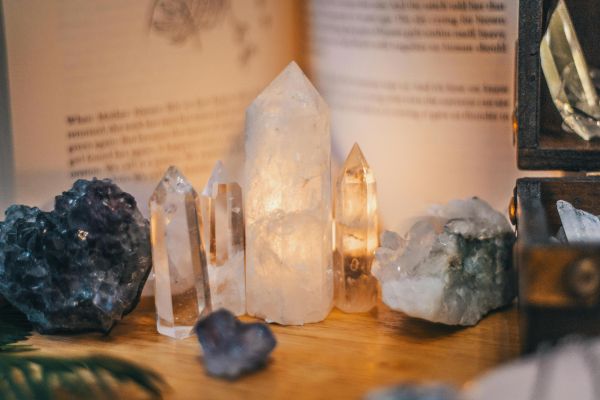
x=289 y=278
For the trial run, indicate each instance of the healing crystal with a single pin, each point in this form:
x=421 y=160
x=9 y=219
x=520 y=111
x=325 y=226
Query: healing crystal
x=356 y=235
x=80 y=267
x=453 y=267
x=232 y=348
x=289 y=276
x=223 y=219
x=578 y=225
x=568 y=76
x=414 y=392
x=182 y=293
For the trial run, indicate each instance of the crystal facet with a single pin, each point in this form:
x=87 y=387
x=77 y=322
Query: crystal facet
x=579 y=226
x=223 y=217
x=356 y=235
x=568 y=76
x=453 y=267
x=232 y=348
x=289 y=276
x=80 y=267
x=182 y=293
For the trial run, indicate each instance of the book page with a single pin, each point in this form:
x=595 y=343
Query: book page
x=123 y=89
x=426 y=88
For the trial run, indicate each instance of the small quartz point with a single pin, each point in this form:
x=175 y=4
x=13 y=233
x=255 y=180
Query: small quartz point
x=568 y=76
x=453 y=267
x=579 y=226
x=356 y=235
x=182 y=293
x=222 y=213
x=289 y=274
x=232 y=348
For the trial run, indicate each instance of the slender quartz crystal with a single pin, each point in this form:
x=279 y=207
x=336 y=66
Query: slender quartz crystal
x=223 y=217
x=568 y=76
x=289 y=276
x=182 y=293
x=356 y=235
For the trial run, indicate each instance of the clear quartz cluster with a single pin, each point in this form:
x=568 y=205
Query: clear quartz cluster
x=568 y=76
x=289 y=277
x=182 y=292
x=356 y=235
x=453 y=266
x=578 y=226
x=223 y=222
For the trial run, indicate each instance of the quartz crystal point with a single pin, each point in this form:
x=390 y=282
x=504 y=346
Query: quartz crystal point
x=232 y=348
x=289 y=278
x=80 y=267
x=182 y=293
x=453 y=267
x=356 y=235
x=568 y=76
x=578 y=225
x=224 y=241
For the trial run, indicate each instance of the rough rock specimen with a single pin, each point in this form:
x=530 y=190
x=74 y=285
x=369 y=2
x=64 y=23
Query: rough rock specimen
x=223 y=224
x=356 y=235
x=453 y=267
x=578 y=226
x=232 y=348
x=80 y=267
x=414 y=392
x=182 y=293
x=289 y=277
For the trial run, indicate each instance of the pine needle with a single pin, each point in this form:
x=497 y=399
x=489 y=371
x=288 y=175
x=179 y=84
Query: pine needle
x=28 y=377
x=14 y=327
x=25 y=377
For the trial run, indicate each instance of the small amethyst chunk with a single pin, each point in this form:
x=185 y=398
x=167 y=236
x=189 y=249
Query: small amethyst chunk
x=80 y=267
x=232 y=348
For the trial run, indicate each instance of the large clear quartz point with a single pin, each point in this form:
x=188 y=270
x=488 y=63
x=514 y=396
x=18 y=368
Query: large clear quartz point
x=223 y=216
x=356 y=235
x=289 y=278
x=568 y=76
x=182 y=293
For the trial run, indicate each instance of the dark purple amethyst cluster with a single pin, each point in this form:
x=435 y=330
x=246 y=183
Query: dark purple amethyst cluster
x=80 y=267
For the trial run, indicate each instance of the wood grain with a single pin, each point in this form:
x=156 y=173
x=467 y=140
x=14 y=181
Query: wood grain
x=342 y=357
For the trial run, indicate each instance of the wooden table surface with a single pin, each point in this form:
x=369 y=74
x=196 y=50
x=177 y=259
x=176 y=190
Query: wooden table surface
x=341 y=358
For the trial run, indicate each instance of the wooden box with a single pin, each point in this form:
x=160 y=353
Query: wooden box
x=559 y=285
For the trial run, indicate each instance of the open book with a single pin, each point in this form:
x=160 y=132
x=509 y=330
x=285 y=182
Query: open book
x=124 y=89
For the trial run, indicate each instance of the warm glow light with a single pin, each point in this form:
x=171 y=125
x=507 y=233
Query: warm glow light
x=356 y=234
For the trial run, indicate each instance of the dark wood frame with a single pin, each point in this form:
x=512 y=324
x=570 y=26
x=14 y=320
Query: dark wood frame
x=542 y=144
x=551 y=305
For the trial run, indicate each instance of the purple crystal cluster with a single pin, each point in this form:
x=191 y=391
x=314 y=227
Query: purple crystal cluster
x=232 y=348
x=80 y=267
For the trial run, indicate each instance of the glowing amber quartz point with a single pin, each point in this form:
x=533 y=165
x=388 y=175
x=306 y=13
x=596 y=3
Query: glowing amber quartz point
x=356 y=235
x=182 y=293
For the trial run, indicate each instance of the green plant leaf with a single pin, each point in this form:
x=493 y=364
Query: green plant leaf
x=14 y=327
x=29 y=377
x=26 y=377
